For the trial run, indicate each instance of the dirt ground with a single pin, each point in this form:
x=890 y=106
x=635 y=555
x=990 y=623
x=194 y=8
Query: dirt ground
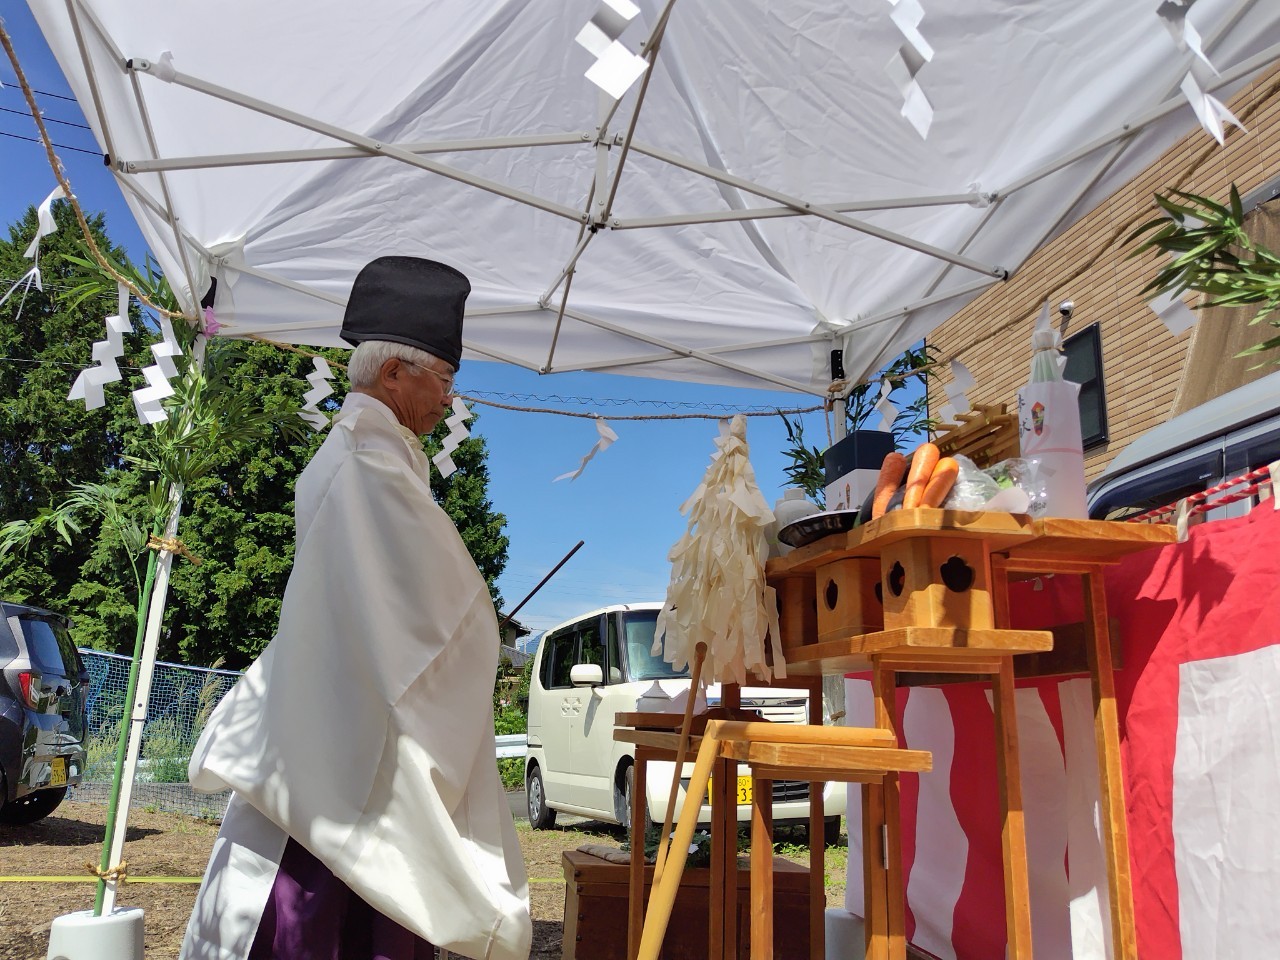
x=167 y=846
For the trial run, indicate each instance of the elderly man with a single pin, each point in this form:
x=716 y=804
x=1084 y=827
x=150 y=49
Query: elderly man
x=368 y=821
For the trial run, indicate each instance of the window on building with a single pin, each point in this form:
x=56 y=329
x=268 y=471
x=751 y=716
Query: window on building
x=1084 y=366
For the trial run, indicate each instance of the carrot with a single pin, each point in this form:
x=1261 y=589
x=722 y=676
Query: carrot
x=922 y=463
x=940 y=484
x=892 y=469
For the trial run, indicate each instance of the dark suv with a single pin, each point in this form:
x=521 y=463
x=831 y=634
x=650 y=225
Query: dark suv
x=42 y=712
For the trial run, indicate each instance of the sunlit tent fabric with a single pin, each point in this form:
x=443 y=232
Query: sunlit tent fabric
x=774 y=202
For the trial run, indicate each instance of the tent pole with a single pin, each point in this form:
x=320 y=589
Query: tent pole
x=839 y=402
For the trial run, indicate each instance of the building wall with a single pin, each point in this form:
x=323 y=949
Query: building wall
x=1091 y=265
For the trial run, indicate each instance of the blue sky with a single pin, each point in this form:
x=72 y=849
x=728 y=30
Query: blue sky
x=625 y=506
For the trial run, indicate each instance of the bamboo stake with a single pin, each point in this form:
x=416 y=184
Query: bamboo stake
x=113 y=807
x=663 y=897
x=682 y=750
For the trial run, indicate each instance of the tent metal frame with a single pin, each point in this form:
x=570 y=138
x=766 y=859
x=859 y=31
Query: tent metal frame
x=596 y=215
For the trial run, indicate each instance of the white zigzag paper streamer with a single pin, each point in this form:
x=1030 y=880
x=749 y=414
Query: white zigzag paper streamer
x=147 y=399
x=45 y=223
x=616 y=67
x=457 y=433
x=906 y=63
x=1187 y=37
x=89 y=384
x=961 y=383
x=1210 y=111
x=607 y=437
x=885 y=408
x=319 y=379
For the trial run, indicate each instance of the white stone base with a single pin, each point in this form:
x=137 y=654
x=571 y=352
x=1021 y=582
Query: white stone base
x=846 y=936
x=82 y=936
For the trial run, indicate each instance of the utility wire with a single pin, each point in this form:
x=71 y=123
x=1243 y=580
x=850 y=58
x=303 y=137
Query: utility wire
x=57 y=96
x=60 y=146
x=28 y=114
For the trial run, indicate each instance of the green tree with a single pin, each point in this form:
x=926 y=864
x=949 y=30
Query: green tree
x=238 y=519
x=49 y=444
x=464 y=496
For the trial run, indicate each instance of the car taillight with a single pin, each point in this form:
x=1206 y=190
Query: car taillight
x=30 y=684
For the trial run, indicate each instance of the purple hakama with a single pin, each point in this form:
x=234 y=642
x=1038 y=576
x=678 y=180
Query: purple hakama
x=312 y=915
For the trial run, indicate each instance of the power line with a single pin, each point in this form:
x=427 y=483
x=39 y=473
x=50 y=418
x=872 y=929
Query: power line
x=56 y=96
x=60 y=146
x=27 y=113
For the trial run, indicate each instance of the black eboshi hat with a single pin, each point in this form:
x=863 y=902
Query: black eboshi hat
x=408 y=300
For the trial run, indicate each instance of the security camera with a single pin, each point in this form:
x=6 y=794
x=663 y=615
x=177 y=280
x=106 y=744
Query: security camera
x=1066 y=308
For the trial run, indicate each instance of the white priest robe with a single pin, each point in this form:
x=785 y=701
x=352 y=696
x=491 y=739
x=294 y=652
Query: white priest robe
x=365 y=729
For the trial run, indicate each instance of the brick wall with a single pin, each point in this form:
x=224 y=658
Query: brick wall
x=1090 y=264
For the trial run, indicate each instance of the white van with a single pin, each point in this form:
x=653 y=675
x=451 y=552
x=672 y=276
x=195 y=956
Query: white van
x=597 y=665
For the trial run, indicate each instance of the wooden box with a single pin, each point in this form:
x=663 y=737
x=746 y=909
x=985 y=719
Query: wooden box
x=595 y=911
x=847 y=604
x=936 y=582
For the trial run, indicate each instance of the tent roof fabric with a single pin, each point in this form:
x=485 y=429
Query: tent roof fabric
x=773 y=203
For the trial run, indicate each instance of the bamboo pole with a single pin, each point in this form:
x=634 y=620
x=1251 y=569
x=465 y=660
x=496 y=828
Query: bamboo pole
x=104 y=861
x=141 y=673
x=682 y=750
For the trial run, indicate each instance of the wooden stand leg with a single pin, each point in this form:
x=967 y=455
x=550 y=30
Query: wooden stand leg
x=817 y=873
x=635 y=875
x=1013 y=835
x=663 y=898
x=1115 y=834
x=761 y=869
x=817 y=845
x=884 y=689
x=722 y=875
x=728 y=856
x=874 y=884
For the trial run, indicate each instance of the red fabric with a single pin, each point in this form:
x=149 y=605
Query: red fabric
x=1216 y=595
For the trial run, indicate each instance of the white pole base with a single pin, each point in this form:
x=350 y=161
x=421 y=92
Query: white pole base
x=82 y=936
x=845 y=935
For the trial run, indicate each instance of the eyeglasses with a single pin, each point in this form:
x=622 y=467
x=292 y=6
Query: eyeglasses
x=446 y=379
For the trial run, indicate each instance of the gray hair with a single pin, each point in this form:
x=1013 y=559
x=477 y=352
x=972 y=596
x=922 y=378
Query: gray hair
x=369 y=356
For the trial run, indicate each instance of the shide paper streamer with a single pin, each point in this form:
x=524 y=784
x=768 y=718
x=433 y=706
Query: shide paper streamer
x=89 y=384
x=607 y=437
x=908 y=61
x=457 y=433
x=718 y=595
x=319 y=379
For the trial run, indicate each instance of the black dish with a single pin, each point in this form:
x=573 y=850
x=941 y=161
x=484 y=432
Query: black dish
x=816 y=526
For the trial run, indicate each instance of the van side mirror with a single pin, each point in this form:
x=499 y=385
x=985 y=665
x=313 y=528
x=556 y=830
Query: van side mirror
x=586 y=675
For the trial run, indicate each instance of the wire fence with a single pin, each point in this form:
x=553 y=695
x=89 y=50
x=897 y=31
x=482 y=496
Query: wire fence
x=182 y=698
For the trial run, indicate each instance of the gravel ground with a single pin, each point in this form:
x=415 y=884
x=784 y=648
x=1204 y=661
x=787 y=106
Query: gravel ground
x=167 y=845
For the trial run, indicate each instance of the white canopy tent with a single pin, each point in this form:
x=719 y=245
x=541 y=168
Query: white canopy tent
x=755 y=200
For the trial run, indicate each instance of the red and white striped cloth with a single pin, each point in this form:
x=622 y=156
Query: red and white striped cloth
x=1199 y=701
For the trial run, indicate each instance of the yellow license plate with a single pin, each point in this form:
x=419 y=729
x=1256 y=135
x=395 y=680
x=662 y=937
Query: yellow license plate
x=57 y=771
x=744 y=789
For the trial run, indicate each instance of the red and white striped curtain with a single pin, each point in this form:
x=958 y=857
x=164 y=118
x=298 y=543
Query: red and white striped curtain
x=1199 y=702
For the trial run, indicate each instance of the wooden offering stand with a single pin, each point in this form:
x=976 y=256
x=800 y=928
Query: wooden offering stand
x=926 y=591
x=811 y=753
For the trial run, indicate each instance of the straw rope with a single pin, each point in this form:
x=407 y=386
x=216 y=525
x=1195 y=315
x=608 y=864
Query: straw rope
x=173 y=545
x=117 y=874
x=58 y=172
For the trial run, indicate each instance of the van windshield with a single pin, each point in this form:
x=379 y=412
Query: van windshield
x=643 y=665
